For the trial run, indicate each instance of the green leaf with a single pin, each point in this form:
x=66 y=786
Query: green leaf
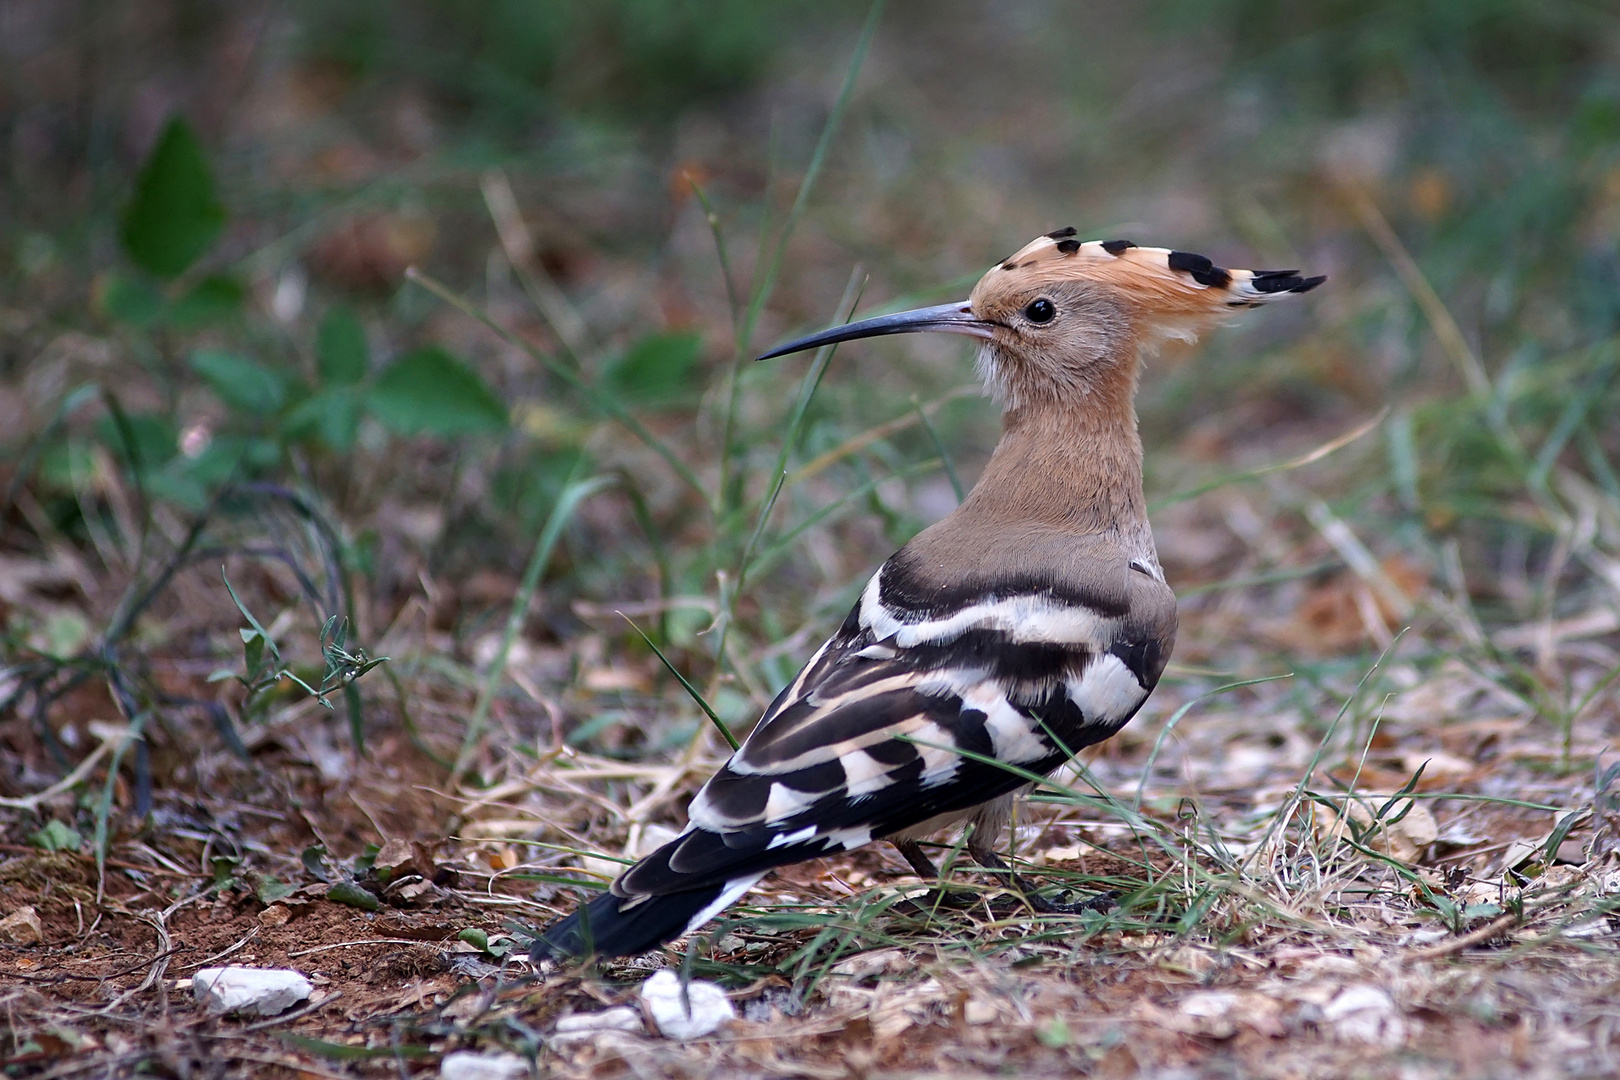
x=175 y=214
x=225 y=457
x=1054 y=1034
x=430 y=392
x=189 y=481
x=252 y=652
x=364 y=861
x=272 y=889
x=56 y=836
x=347 y=892
x=132 y=301
x=357 y=717
x=147 y=440
x=332 y=415
x=65 y=632
x=245 y=385
x=224 y=867
x=65 y=464
x=314 y=860
x=178 y=485
x=215 y=298
x=474 y=937
x=340 y=349
x=657 y=368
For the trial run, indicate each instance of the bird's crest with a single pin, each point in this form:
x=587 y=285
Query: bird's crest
x=1177 y=294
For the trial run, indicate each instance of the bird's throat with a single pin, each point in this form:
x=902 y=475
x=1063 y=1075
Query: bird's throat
x=1077 y=465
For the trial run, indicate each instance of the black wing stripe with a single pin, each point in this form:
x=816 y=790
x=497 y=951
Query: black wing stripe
x=1143 y=658
x=911 y=599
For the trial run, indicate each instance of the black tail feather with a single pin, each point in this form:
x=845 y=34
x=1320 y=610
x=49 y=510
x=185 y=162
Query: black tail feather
x=602 y=928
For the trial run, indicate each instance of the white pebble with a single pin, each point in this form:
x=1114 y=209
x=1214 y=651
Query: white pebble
x=980 y=1011
x=471 y=1065
x=663 y=997
x=1367 y=1014
x=577 y=1029
x=23 y=926
x=250 y=991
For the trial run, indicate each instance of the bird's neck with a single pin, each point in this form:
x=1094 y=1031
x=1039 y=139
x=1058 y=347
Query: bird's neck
x=1075 y=465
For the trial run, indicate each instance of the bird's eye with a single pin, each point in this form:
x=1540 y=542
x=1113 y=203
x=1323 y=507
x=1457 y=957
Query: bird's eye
x=1040 y=311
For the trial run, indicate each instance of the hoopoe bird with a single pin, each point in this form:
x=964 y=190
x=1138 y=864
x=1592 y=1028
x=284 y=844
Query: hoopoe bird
x=1032 y=621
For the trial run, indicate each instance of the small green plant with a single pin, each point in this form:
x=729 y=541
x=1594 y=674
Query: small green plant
x=264 y=668
x=193 y=323
x=55 y=836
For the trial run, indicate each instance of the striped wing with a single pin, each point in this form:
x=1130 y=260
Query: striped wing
x=885 y=726
x=900 y=719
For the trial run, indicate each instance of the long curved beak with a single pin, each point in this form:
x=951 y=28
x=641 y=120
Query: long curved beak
x=957 y=318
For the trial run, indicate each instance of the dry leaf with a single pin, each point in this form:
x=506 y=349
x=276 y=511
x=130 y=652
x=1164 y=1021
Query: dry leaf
x=1403 y=840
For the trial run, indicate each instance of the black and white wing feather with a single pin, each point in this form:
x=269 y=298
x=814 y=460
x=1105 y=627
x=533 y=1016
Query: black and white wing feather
x=873 y=737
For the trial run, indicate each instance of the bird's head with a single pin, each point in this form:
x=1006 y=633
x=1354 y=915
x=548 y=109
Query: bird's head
x=1063 y=317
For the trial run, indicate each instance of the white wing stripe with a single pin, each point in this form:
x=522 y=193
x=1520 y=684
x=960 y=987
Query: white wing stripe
x=784 y=803
x=1013 y=736
x=795 y=837
x=939 y=765
x=728 y=896
x=863 y=773
x=1106 y=691
x=849 y=838
x=1025 y=618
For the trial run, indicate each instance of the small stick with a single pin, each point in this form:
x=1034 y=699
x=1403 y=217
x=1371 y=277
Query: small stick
x=1468 y=940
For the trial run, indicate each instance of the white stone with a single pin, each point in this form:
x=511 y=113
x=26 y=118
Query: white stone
x=1367 y=1014
x=1210 y=1013
x=978 y=1012
x=23 y=926
x=663 y=997
x=1209 y=1003
x=577 y=1029
x=1218 y=1014
x=471 y=1065
x=251 y=991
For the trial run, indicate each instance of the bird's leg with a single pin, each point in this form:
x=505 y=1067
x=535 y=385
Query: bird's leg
x=987 y=858
x=924 y=868
x=921 y=864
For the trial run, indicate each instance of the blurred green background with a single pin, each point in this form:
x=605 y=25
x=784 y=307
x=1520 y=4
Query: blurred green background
x=209 y=210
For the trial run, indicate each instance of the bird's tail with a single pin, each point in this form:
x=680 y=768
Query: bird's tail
x=614 y=925
x=604 y=927
x=678 y=888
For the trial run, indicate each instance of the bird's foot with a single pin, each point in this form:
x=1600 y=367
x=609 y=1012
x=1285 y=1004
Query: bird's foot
x=939 y=899
x=1102 y=902
x=993 y=863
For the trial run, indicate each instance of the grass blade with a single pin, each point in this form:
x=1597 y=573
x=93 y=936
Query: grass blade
x=714 y=717
x=574 y=493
